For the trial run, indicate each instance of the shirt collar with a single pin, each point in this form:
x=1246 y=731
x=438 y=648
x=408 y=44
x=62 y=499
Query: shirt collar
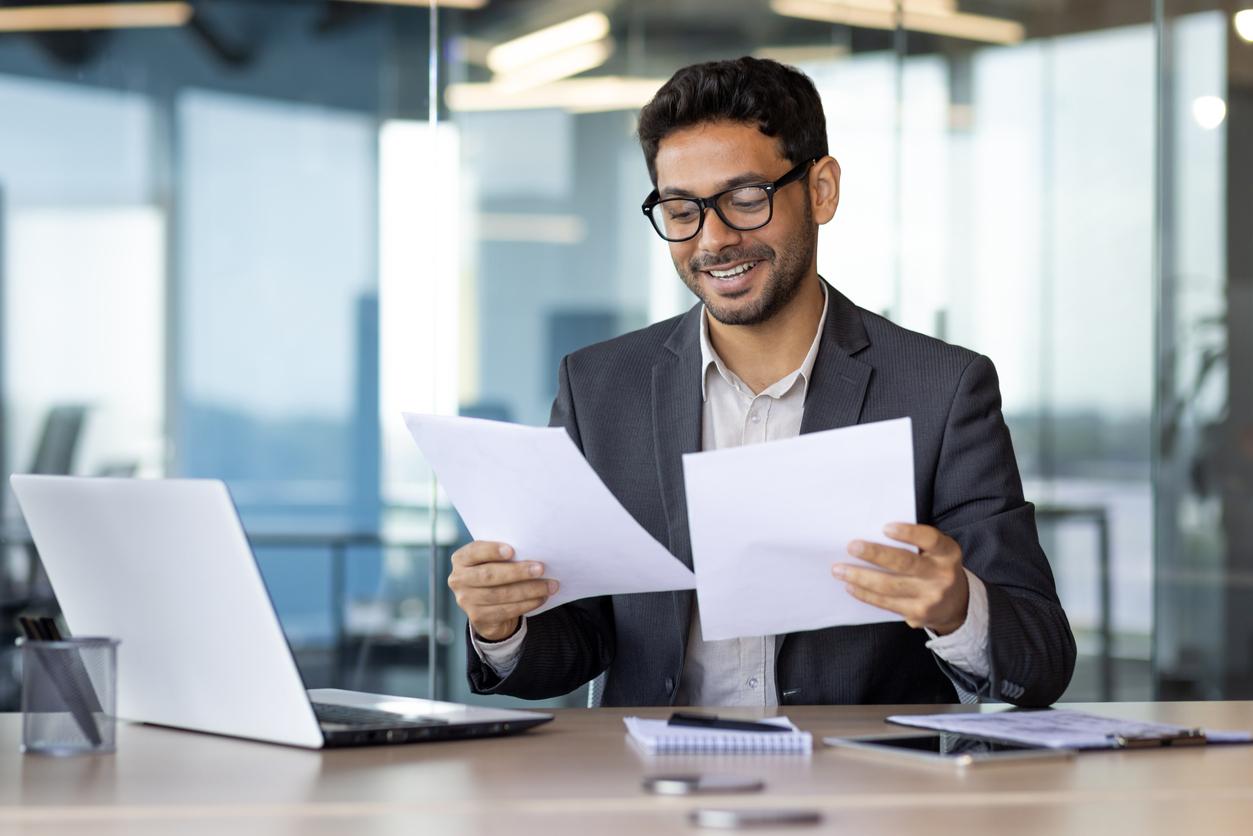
x=710 y=357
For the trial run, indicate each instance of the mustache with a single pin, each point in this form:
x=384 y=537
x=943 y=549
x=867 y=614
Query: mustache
x=726 y=257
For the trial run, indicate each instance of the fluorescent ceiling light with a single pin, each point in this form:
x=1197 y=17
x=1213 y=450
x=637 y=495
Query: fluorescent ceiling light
x=943 y=7
x=934 y=6
x=577 y=95
x=93 y=16
x=517 y=53
x=1244 y=24
x=447 y=4
x=802 y=54
x=572 y=61
x=932 y=16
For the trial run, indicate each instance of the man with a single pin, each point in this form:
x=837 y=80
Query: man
x=737 y=151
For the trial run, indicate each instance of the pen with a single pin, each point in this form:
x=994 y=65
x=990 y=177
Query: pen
x=73 y=663
x=713 y=721
x=62 y=677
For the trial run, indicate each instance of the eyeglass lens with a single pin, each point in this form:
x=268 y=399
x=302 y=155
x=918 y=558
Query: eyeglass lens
x=678 y=218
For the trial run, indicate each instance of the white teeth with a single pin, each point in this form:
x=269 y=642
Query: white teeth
x=734 y=271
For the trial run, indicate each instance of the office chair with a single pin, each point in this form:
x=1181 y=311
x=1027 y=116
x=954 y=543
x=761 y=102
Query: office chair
x=58 y=441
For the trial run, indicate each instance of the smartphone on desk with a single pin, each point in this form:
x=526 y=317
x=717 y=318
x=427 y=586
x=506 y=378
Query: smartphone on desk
x=947 y=749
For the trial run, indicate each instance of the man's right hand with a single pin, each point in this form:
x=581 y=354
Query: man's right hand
x=493 y=591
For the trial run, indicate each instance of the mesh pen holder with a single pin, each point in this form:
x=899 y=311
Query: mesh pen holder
x=69 y=696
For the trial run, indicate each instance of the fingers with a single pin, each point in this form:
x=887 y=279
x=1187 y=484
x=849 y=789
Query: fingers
x=880 y=583
x=900 y=606
x=926 y=538
x=492 y=588
x=484 y=563
x=488 y=596
x=921 y=608
x=498 y=574
x=488 y=605
x=506 y=612
x=886 y=557
x=927 y=588
x=934 y=549
x=481 y=551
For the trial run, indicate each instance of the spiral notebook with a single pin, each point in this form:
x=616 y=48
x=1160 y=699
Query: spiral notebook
x=657 y=737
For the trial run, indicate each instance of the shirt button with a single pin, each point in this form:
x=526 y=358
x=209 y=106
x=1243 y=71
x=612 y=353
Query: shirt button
x=752 y=683
x=754 y=416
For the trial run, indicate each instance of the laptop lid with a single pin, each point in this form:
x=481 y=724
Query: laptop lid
x=165 y=566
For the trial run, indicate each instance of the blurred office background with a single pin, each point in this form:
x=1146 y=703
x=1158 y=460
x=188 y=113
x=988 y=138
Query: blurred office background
x=237 y=237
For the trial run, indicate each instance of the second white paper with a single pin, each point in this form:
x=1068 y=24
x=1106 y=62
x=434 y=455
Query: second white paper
x=768 y=521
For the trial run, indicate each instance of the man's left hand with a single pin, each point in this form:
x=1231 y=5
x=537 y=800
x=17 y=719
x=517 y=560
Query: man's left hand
x=928 y=588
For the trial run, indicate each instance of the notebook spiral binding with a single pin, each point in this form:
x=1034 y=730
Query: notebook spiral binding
x=760 y=744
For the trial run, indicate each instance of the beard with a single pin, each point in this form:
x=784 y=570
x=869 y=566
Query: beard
x=786 y=274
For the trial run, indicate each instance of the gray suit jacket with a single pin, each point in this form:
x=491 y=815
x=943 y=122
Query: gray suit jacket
x=633 y=406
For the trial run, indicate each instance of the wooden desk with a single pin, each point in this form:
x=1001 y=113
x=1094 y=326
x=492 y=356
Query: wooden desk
x=578 y=775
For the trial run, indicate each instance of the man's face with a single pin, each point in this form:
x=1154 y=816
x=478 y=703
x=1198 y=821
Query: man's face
x=706 y=159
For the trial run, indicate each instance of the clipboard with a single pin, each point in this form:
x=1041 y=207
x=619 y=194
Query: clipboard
x=1067 y=729
x=1185 y=737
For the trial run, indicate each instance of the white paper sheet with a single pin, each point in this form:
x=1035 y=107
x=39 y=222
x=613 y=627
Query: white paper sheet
x=768 y=521
x=530 y=487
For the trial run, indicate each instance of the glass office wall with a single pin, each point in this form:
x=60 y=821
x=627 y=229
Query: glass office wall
x=238 y=247
x=1204 y=644
x=191 y=241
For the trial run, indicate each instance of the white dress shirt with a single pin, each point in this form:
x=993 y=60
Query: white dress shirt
x=740 y=672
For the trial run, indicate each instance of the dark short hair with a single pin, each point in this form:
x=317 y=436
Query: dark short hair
x=780 y=100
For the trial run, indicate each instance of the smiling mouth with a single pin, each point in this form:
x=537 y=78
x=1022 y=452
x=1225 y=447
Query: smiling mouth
x=733 y=272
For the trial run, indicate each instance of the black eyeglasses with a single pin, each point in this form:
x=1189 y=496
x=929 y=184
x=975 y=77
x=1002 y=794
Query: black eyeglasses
x=743 y=207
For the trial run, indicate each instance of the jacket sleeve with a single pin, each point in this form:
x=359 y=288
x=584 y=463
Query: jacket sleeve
x=567 y=646
x=978 y=501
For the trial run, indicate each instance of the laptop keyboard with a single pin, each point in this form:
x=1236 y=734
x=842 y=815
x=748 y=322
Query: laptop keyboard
x=346 y=715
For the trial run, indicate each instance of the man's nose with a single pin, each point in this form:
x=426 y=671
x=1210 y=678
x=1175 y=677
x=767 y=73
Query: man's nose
x=715 y=235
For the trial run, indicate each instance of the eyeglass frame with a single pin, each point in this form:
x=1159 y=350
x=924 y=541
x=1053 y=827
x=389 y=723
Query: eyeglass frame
x=654 y=199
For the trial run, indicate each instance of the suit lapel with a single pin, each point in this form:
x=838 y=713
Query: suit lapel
x=677 y=430
x=837 y=384
x=677 y=424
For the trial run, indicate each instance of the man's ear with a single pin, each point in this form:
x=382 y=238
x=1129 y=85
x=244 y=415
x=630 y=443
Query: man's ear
x=824 y=189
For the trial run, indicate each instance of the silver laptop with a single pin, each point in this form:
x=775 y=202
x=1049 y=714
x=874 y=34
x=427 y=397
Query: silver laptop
x=165 y=566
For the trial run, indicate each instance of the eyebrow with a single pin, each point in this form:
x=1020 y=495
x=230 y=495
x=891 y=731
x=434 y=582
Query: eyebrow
x=748 y=178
